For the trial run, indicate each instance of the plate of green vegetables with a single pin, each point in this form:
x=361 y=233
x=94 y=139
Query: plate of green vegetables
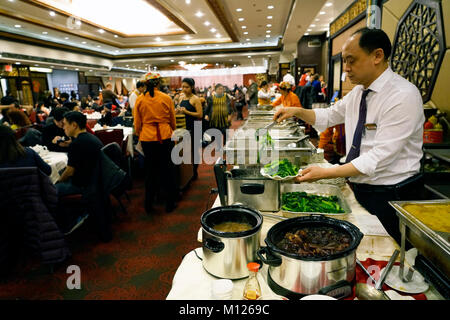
x=302 y=202
x=282 y=170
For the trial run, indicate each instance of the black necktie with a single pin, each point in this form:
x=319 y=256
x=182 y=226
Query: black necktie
x=356 y=145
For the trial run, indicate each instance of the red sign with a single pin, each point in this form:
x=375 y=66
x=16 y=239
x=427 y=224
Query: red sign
x=8 y=67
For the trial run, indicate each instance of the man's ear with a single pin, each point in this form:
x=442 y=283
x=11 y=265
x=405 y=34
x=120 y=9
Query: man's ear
x=378 y=56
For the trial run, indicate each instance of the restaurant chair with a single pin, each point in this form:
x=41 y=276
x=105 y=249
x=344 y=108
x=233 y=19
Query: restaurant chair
x=114 y=152
x=91 y=123
x=110 y=135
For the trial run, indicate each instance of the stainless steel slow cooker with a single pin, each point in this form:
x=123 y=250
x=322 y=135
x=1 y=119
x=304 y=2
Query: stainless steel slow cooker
x=295 y=276
x=226 y=254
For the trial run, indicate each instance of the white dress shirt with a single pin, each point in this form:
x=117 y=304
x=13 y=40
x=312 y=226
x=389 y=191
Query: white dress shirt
x=392 y=152
x=289 y=78
x=133 y=98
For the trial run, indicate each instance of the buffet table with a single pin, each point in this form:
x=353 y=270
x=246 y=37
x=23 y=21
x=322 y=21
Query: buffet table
x=192 y=282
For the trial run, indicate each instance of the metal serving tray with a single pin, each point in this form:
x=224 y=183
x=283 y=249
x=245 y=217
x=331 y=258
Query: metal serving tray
x=245 y=152
x=316 y=189
x=433 y=245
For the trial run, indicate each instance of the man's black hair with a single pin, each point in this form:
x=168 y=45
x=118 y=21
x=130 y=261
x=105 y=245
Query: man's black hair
x=58 y=113
x=77 y=117
x=65 y=95
x=372 y=39
x=70 y=105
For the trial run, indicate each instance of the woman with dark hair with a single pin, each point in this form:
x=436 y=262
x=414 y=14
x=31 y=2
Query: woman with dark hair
x=154 y=123
x=17 y=119
x=264 y=94
x=191 y=107
x=288 y=98
x=13 y=155
x=219 y=111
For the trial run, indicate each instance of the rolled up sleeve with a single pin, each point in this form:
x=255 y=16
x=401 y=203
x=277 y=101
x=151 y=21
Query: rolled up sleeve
x=330 y=117
x=397 y=125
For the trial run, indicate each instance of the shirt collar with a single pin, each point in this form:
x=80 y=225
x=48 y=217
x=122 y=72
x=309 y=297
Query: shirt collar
x=379 y=83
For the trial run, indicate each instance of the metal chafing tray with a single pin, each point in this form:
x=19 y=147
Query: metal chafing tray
x=316 y=189
x=433 y=245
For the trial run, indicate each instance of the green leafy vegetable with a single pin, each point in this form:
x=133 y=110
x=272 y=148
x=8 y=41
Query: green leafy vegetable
x=303 y=202
x=282 y=168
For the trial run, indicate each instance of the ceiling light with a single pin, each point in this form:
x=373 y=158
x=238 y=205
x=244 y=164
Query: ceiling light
x=67 y=38
x=241 y=19
x=249 y=57
x=213 y=30
x=131 y=50
x=244 y=27
x=101 y=30
x=187 y=38
x=18 y=63
x=248 y=39
x=65 y=68
x=313 y=25
x=99 y=46
x=84 y=42
x=158 y=39
x=268 y=31
x=245 y=32
x=218 y=35
x=329 y=4
x=322 y=12
x=52 y=13
x=45 y=32
x=77 y=69
x=239 y=10
x=188 y=1
x=269 y=25
x=270 y=7
x=182 y=63
x=268 y=36
x=116 y=36
x=90 y=70
x=17 y=26
x=269 y=17
x=309 y=30
x=207 y=23
x=317 y=19
x=199 y=14
x=78 y=22
x=172 y=60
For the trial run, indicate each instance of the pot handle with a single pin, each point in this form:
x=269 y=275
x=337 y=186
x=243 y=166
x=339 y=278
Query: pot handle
x=213 y=245
x=270 y=259
x=252 y=188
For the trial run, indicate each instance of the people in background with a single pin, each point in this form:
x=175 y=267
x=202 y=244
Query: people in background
x=264 y=94
x=83 y=154
x=289 y=78
x=17 y=119
x=140 y=89
x=287 y=98
x=13 y=155
x=252 y=94
x=53 y=135
x=108 y=95
x=154 y=123
x=191 y=106
x=239 y=97
x=218 y=113
x=304 y=78
x=317 y=97
x=106 y=119
x=8 y=99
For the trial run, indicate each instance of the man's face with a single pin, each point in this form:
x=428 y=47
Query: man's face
x=219 y=91
x=359 y=65
x=69 y=128
x=59 y=124
x=141 y=89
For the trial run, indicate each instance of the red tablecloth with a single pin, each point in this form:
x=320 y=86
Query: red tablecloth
x=361 y=277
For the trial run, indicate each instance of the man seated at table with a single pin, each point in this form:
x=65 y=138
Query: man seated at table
x=53 y=136
x=84 y=152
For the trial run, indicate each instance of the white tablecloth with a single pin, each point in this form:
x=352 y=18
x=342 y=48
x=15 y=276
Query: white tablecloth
x=94 y=116
x=127 y=132
x=192 y=282
x=57 y=161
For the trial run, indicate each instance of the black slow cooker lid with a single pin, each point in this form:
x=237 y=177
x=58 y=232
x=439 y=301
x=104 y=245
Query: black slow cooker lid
x=234 y=213
x=278 y=231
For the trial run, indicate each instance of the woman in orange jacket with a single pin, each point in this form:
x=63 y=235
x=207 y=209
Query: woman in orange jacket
x=154 y=123
x=288 y=98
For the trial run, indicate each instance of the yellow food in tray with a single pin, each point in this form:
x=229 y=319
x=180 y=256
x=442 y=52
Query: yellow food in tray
x=435 y=216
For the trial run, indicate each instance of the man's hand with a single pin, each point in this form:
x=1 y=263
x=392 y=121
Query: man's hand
x=207 y=118
x=286 y=113
x=56 y=139
x=313 y=174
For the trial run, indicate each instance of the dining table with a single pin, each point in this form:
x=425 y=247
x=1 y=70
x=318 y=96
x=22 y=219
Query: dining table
x=57 y=161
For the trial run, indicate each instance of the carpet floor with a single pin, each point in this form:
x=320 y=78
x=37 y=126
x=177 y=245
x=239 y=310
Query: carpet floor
x=139 y=263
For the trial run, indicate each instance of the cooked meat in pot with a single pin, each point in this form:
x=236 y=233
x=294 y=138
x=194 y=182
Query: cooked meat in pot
x=315 y=241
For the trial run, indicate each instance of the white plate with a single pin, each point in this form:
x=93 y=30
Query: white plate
x=278 y=178
x=415 y=286
x=318 y=297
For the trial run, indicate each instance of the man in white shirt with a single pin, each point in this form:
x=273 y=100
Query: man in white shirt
x=289 y=78
x=140 y=89
x=384 y=119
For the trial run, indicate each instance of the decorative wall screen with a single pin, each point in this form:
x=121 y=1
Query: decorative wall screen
x=419 y=45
